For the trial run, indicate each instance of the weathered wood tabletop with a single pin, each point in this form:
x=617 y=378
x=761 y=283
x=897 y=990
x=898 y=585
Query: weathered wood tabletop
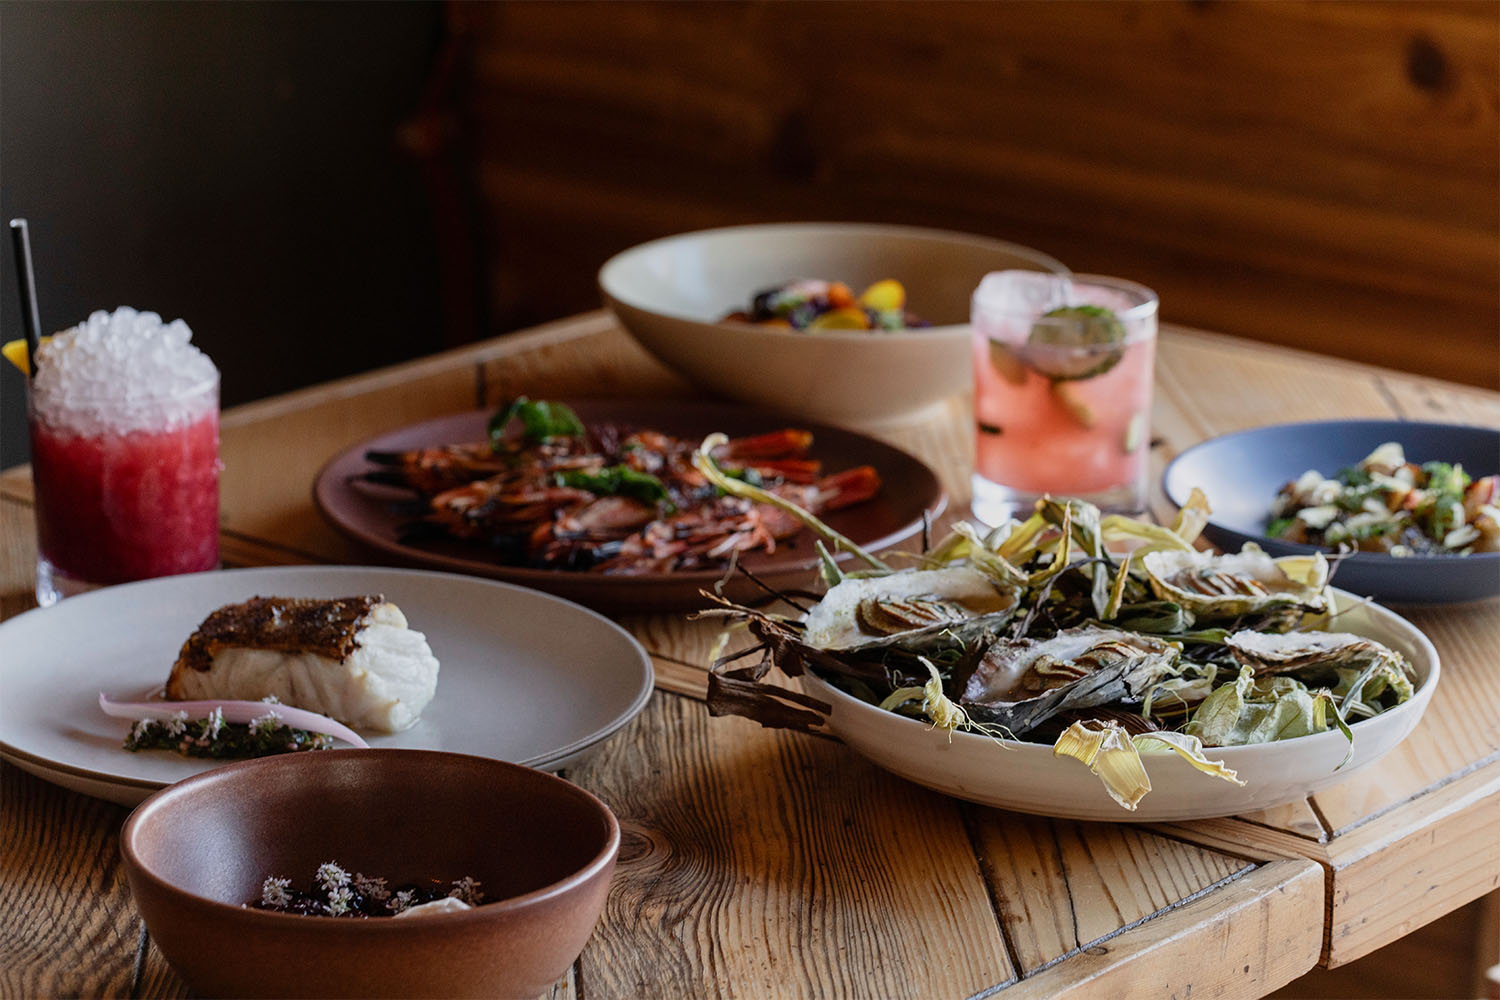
x=760 y=863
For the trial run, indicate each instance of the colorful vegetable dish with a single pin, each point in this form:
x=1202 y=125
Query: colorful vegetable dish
x=813 y=305
x=1387 y=504
x=1101 y=635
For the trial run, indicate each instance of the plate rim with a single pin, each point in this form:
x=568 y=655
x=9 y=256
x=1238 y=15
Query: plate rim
x=637 y=704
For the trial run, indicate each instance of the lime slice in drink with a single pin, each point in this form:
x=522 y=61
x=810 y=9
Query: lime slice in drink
x=1074 y=342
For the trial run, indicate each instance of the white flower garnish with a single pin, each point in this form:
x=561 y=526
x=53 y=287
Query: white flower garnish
x=214 y=723
x=177 y=724
x=264 y=723
x=400 y=901
x=467 y=889
x=373 y=888
x=141 y=728
x=339 y=900
x=330 y=876
x=273 y=891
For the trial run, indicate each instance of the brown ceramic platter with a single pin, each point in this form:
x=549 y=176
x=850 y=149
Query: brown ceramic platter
x=377 y=516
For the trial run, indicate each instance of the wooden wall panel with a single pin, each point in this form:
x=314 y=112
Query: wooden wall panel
x=1320 y=174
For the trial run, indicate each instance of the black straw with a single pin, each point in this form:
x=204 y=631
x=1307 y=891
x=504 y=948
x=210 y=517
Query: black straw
x=30 y=316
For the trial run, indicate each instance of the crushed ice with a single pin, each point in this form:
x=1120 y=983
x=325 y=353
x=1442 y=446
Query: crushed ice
x=123 y=371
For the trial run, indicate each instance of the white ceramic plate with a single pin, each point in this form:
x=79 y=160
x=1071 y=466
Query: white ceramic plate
x=525 y=677
x=1026 y=777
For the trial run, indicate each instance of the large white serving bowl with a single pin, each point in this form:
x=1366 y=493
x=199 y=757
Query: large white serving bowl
x=1027 y=777
x=670 y=293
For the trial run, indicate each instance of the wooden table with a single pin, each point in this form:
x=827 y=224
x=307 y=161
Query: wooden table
x=759 y=863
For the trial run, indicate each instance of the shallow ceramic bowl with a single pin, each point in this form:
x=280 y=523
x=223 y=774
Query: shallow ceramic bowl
x=543 y=849
x=670 y=293
x=1241 y=473
x=1027 y=777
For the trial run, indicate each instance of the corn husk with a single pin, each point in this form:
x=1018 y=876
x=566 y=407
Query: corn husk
x=1115 y=757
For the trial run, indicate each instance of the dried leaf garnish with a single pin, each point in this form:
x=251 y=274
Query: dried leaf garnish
x=1115 y=756
x=1109 y=753
x=1262 y=710
x=943 y=711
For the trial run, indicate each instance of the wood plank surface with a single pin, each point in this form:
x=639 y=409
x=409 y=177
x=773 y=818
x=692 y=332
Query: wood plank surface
x=1111 y=876
x=760 y=863
x=70 y=926
x=1248 y=929
x=764 y=863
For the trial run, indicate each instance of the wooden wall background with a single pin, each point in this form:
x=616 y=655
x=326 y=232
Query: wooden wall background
x=1325 y=174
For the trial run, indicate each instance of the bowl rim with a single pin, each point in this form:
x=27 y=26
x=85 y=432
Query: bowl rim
x=1302 y=548
x=1417 y=702
x=615 y=299
x=147 y=809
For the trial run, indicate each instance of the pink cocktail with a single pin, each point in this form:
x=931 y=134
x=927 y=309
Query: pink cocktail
x=1062 y=394
x=124 y=453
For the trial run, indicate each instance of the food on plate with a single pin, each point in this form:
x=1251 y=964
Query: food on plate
x=1105 y=636
x=351 y=658
x=1387 y=504
x=814 y=305
x=337 y=892
x=611 y=499
x=224 y=728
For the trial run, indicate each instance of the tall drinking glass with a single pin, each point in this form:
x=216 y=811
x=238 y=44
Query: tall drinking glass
x=124 y=455
x=1062 y=393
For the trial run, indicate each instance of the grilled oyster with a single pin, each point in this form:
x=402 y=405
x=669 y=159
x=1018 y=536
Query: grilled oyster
x=1359 y=671
x=1248 y=582
x=1018 y=684
x=860 y=613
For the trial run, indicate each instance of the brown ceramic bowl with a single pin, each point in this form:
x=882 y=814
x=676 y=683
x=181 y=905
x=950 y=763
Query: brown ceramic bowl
x=543 y=849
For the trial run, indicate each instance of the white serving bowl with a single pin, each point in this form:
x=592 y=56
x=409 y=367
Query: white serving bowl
x=670 y=293
x=1027 y=777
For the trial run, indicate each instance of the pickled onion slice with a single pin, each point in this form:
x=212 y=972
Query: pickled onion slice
x=234 y=711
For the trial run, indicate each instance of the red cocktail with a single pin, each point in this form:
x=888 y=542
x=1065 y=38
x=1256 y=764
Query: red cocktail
x=127 y=479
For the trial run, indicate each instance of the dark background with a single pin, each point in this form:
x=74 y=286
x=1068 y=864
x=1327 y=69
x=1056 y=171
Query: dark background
x=237 y=165
x=321 y=189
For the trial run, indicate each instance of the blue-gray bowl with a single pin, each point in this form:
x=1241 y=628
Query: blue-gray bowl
x=1241 y=473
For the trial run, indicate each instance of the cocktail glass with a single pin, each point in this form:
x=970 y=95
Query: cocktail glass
x=1062 y=395
x=127 y=484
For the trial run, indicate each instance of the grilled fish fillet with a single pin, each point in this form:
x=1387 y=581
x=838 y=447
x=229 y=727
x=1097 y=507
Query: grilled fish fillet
x=351 y=658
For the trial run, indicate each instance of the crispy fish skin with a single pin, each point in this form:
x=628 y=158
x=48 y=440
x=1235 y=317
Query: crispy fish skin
x=289 y=624
x=351 y=658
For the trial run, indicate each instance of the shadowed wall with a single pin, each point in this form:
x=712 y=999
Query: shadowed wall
x=1321 y=174
x=237 y=165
